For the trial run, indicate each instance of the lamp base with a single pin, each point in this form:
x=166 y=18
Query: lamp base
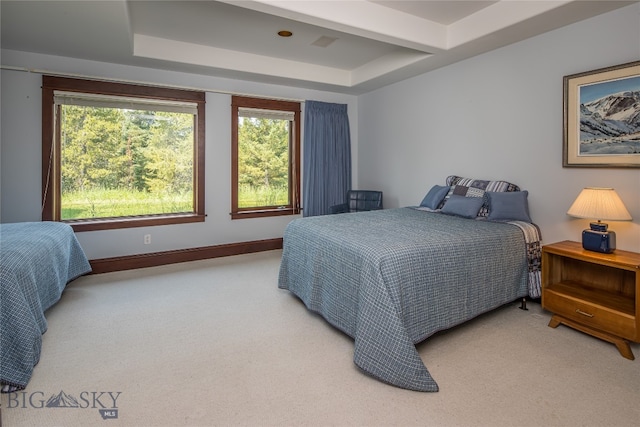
x=599 y=241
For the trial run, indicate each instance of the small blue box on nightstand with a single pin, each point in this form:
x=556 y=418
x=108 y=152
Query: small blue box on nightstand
x=599 y=241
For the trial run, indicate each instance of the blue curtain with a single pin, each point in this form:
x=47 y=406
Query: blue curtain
x=326 y=157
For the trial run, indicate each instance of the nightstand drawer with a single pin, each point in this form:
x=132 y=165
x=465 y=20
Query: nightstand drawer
x=590 y=314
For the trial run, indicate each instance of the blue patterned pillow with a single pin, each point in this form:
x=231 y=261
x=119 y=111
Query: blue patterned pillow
x=511 y=206
x=466 y=207
x=495 y=186
x=461 y=190
x=434 y=196
x=476 y=188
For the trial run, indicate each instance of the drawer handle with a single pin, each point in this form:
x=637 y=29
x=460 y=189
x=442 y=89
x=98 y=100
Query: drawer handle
x=583 y=313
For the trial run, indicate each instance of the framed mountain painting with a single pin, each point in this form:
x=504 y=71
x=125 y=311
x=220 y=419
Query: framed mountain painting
x=602 y=118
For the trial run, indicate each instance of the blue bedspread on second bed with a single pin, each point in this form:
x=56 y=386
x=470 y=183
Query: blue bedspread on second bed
x=37 y=260
x=392 y=278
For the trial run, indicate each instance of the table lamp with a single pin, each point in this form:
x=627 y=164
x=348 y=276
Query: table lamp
x=599 y=204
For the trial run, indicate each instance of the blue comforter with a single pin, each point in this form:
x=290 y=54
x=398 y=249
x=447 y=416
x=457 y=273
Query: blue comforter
x=37 y=259
x=392 y=278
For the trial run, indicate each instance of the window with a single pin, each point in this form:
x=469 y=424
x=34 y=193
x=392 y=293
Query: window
x=118 y=155
x=265 y=157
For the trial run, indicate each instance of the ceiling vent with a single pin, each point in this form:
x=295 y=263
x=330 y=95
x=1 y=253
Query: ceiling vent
x=324 y=41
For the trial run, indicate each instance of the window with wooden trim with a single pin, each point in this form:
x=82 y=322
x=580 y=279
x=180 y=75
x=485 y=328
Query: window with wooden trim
x=118 y=155
x=265 y=157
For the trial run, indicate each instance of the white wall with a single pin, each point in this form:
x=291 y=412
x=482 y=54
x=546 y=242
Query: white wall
x=495 y=116
x=20 y=175
x=499 y=116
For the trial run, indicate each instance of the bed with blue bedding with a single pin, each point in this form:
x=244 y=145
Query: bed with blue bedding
x=392 y=278
x=38 y=259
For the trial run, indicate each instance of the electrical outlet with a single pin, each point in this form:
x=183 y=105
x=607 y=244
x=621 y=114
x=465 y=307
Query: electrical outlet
x=147 y=239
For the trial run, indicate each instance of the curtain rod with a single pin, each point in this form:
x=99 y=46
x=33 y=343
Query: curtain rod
x=137 y=82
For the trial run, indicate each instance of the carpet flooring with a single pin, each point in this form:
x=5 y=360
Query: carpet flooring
x=216 y=343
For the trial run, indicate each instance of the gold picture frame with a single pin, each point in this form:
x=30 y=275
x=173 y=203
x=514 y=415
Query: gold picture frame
x=602 y=118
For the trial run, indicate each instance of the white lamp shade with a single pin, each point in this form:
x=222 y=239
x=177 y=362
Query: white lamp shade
x=599 y=203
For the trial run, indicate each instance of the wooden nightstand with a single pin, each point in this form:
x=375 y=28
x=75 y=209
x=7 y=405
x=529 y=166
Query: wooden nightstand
x=595 y=293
